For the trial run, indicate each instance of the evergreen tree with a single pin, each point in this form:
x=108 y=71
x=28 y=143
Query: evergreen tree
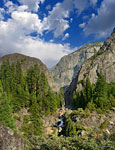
x=35 y=117
x=43 y=85
x=101 y=99
x=88 y=90
x=6 y=111
x=32 y=79
x=70 y=127
x=101 y=86
x=52 y=100
x=5 y=76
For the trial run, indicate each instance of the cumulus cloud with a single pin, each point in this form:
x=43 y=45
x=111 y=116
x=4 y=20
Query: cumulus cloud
x=15 y=32
x=15 y=37
x=57 y=18
x=27 y=21
x=102 y=24
x=49 y=53
x=10 y=6
x=65 y=36
x=33 y=5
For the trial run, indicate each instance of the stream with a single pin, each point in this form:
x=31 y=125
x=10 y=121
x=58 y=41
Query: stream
x=61 y=122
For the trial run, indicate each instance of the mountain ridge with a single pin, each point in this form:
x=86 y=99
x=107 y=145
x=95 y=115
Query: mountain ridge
x=103 y=62
x=27 y=62
x=69 y=65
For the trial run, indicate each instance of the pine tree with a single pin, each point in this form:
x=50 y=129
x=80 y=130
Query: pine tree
x=6 y=111
x=5 y=74
x=101 y=86
x=35 y=117
x=88 y=90
x=100 y=98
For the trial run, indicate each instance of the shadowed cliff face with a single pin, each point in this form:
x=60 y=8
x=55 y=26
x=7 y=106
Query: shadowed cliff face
x=10 y=140
x=27 y=62
x=69 y=65
x=103 y=61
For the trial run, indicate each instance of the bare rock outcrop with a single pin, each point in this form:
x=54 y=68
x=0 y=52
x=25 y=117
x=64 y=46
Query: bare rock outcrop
x=69 y=65
x=9 y=140
x=103 y=61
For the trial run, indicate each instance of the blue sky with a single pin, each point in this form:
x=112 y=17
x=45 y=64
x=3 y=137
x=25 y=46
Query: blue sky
x=50 y=29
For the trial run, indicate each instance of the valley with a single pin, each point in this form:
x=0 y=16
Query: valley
x=70 y=107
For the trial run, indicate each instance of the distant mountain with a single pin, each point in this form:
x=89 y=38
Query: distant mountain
x=69 y=65
x=103 y=61
x=27 y=62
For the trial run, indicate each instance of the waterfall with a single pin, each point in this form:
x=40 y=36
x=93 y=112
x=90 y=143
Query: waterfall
x=61 y=122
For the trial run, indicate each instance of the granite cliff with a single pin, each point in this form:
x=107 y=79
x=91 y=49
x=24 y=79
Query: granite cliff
x=27 y=62
x=103 y=61
x=69 y=65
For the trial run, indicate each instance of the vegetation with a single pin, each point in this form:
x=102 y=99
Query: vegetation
x=100 y=95
x=29 y=91
x=6 y=110
x=68 y=143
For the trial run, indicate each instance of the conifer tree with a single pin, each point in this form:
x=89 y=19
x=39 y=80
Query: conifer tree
x=5 y=75
x=101 y=86
x=88 y=90
x=6 y=111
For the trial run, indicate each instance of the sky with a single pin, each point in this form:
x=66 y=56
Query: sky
x=50 y=29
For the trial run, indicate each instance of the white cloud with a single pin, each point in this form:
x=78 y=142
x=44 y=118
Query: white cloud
x=82 y=25
x=8 y=3
x=33 y=5
x=51 y=40
x=10 y=6
x=14 y=37
x=57 y=20
x=49 y=53
x=65 y=36
x=27 y=21
x=103 y=23
x=1 y=13
x=22 y=8
x=81 y=5
x=15 y=32
x=71 y=19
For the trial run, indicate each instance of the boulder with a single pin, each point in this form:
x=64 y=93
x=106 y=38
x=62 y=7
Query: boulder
x=9 y=140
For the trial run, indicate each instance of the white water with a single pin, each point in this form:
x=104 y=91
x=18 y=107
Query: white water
x=61 y=122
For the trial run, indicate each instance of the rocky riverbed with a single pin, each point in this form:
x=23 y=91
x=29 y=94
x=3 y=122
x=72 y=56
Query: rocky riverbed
x=53 y=123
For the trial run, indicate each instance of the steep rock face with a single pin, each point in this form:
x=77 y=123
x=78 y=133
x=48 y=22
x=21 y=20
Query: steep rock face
x=10 y=140
x=27 y=62
x=103 y=61
x=69 y=65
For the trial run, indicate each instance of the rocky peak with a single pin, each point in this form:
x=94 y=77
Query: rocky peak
x=103 y=61
x=109 y=44
x=69 y=65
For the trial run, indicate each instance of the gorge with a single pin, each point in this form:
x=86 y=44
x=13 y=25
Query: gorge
x=33 y=104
